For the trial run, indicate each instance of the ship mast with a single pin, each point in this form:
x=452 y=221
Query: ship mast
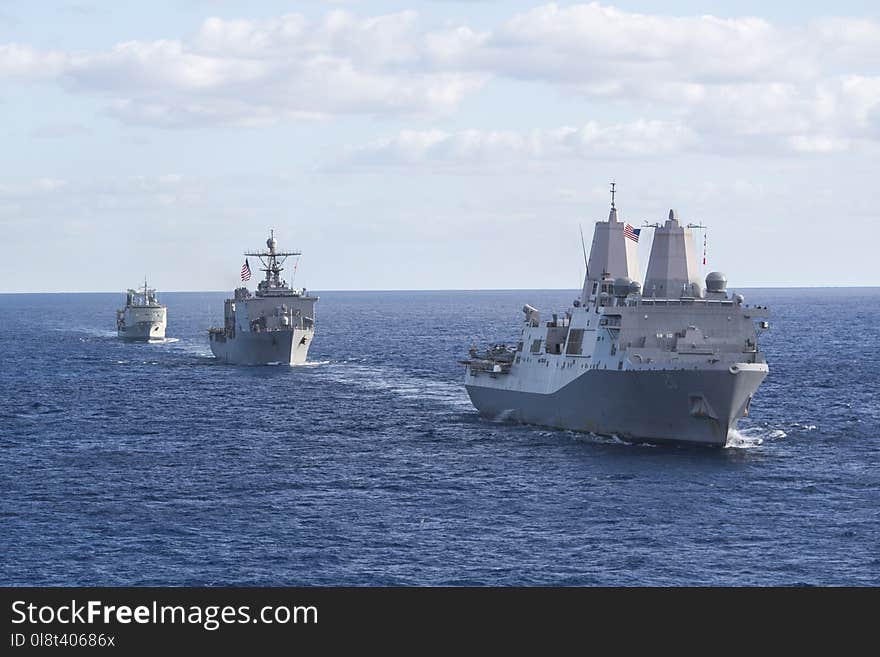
x=272 y=261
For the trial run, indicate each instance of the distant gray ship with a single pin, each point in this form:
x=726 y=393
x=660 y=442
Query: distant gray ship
x=670 y=362
x=274 y=325
x=143 y=317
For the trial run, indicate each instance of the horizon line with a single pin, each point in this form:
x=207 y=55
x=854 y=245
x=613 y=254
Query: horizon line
x=485 y=289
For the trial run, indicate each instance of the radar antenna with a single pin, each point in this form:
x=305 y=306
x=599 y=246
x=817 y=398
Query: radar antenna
x=613 y=192
x=584 y=248
x=705 y=229
x=272 y=261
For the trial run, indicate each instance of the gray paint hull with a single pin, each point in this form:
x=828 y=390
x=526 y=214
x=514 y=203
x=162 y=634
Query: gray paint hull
x=142 y=332
x=683 y=406
x=290 y=346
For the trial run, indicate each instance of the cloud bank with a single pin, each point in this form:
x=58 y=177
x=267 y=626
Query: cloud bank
x=692 y=82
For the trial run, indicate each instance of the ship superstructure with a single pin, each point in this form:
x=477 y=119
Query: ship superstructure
x=670 y=361
x=275 y=324
x=143 y=318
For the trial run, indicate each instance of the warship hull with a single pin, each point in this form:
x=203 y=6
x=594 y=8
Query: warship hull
x=142 y=323
x=657 y=406
x=271 y=347
x=142 y=332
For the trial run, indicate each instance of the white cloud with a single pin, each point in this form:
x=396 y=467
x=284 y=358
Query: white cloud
x=736 y=82
x=372 y=42
x=818 y=144
x=731 y=83
x=22 y=62
x=585 y=44
x=32 y=188
x=479 y=147
x=253 y=72
x=164 y=65
x=88 y=195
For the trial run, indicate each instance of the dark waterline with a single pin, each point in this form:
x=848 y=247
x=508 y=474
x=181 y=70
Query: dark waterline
x=151 y=464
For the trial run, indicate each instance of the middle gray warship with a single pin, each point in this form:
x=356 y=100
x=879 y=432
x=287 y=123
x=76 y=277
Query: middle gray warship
x=276 y=324
x=668 y=362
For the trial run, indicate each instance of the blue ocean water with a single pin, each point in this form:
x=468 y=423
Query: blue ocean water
x=133 y=464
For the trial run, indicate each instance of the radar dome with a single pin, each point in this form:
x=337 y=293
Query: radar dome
x=716 y=282
x=621 y=286
x=272 y=243
x=635 y=287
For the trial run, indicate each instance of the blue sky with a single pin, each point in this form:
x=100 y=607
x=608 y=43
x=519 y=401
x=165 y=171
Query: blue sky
x=425 y=145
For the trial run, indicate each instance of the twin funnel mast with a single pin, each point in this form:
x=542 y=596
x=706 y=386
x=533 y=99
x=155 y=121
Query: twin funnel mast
x=673 y=268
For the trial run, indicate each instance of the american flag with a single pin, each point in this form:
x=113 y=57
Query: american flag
x=245 y=271
x=631 y=233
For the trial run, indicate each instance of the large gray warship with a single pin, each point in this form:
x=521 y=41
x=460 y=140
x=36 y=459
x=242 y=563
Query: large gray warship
x=143 y=318
x=670 y=361
x=274 y=325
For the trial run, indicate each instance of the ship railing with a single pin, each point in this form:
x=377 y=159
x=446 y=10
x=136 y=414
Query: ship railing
x=683 y=301
x=500 y=353
x=488 y=366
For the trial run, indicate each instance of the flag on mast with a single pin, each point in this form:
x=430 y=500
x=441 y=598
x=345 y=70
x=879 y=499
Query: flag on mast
x=245 y=271
x=631 y=233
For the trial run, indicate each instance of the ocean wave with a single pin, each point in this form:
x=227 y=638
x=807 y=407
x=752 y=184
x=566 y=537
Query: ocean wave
x=398 y=383
x=753 y=437
x=613 y=439
x=90 y=332
x=191 y=347
x=507 y=415
x=800 y=426
x=740 y=440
